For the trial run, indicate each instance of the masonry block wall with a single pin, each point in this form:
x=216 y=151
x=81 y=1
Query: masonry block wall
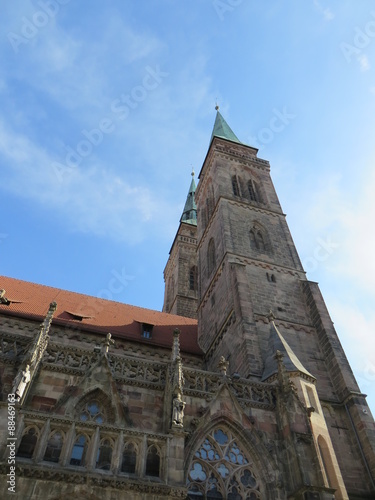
x=181 y=291
x=251 y=277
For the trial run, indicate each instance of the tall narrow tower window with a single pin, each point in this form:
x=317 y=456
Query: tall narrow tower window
x=153 y=461
x=54 y=447
x=253 y=241
x=28 y=443
x=235 y=187
x=253 y=192
x=79 y=451
x=260 y=241
x=211 y=258
x=129 y=458
x=104 y=455
x=193 y=278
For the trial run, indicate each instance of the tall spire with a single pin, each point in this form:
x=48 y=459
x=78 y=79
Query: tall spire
x=222 y=129
x=189 y=215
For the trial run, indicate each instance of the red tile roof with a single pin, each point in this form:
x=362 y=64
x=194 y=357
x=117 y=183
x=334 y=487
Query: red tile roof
x=30 y=300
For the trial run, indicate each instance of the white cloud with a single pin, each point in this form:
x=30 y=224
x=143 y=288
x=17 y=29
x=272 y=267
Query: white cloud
x=82 y=73
x=364 y=63
x=90 y=199
x=344 y=213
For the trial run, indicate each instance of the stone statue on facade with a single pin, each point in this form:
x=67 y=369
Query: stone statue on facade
x=20 y=382
x=107 y=343
x=223 y=366
x=178 y=412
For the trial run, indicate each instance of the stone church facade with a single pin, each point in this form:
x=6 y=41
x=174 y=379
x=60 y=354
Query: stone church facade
x=238 y=390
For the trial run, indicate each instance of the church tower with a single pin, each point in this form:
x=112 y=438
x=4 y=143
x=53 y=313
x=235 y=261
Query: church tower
x=181 y=271
x=248 y=266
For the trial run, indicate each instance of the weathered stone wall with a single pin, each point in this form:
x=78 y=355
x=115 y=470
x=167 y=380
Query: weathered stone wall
x=249 y=281
x=179 y=298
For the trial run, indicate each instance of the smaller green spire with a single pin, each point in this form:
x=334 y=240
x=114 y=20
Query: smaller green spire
x=189 y=215
x=222 y=129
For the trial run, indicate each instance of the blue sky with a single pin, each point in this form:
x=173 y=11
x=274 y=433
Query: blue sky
x=140 y=81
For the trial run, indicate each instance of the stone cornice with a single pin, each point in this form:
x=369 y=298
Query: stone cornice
x=40 y=417
x=271 y=266
x=288 y=325
x=95 y=479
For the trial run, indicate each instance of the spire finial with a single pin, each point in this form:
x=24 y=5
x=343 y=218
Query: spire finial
x=192 y=171
x=217 y=107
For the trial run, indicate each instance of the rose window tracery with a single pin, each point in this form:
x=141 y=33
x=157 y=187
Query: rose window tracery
x=92 y=412
x=220 y=470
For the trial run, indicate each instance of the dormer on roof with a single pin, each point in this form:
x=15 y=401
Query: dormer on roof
x=147 y=330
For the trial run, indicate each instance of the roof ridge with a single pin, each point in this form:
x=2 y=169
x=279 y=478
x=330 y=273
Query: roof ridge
x=58 y=290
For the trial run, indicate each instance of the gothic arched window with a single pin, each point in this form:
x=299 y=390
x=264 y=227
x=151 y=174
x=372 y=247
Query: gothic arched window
x=96 y=407
x=259 y=239
x=220 y=469
x=153 y=461
x=28 y=443
x=211 y=258
x=253 y=191
x=92 y=412
x=328 y=466
x=129 y=458
x=104 y=456
x=193 y=278
x=79 y=451
x=235 y=187
x=54 y=447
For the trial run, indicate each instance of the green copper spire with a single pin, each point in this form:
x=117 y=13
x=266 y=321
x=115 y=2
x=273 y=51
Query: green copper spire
x=189 y=214
x=222 y=129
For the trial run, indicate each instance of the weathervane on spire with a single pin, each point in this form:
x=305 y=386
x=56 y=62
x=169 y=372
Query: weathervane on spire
x=216 y=105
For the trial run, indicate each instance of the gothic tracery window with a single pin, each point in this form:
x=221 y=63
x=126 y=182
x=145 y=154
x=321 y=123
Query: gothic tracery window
x=92 y=412
x=95 y=407
x=221 y=470
x=79 y=451
x=129 y=458
x=259 y=240
x=193 y=278
x=104 y=456
x=235 y=187
x=253 y=191
x=153 y=461
x=54 y=447
x=28 y=443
